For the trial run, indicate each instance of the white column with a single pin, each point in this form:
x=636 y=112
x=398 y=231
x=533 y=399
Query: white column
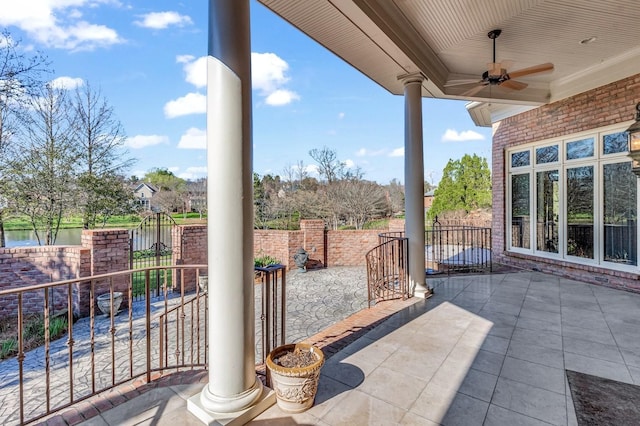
x=414 y=182
x=234 y=391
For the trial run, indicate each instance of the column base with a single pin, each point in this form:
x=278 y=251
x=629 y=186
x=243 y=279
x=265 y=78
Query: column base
x=422 y=292
x=195 y=407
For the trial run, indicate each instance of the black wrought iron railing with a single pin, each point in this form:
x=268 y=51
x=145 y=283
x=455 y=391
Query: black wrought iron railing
x=458 y=249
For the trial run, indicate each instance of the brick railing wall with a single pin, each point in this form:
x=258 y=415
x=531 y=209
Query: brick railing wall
x=348 y=248
x=607 y=105
x=101 y=251
x=24 y=266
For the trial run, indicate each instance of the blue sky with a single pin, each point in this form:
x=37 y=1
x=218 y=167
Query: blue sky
x=147 y=59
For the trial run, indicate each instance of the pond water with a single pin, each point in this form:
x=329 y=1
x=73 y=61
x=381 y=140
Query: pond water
x=27 y=238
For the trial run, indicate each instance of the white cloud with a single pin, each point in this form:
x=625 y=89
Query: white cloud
x=191 y=103
x=281 y=97
x=193 y=173
x=340 y=115
x=68 y=83
x=452 y=135
x=195 y=69
x=349 y=164
x=268 y=76
x=59 y=23
x=143 y=141
x=364 y=152
x=268 y=71
x=398 y=152
x=162 y=20
x=193 y=138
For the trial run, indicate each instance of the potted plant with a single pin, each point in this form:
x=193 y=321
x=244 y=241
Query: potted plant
x=294 y=371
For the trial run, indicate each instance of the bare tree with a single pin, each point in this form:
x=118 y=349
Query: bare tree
x=20 y=77
x=329 y=167
x=99 y=141
x=42 y=168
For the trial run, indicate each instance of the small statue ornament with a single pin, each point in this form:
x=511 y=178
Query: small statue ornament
x=300 y=258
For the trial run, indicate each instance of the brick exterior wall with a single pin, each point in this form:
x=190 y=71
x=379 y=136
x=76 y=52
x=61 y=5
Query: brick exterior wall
x=281 y=245
x=102 y=251
x=109 y=252
x=606 y=105
x=189 y=244
x=348 y=248
x=26 y=266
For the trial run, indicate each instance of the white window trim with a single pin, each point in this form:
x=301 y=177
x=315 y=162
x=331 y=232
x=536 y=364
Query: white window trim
x=598 y=160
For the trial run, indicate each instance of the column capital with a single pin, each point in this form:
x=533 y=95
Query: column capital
x=414 y=77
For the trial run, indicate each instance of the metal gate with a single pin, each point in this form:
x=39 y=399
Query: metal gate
x=152 y=243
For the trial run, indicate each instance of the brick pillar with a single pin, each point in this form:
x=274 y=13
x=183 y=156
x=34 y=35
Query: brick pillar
x=109 y=252
x=314 y=242
x=189 y=248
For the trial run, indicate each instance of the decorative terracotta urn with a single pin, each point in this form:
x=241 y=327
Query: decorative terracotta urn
x=104 y=303
x=295 y=385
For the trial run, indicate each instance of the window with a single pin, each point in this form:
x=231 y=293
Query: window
x=547 y=201
x=580 y=213
x=547 y=154
x=580 y=149
x=520 y=211
x=620 y=225
x=584 y=197
x=520 y=159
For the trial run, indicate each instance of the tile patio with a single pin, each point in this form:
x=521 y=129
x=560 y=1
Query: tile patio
x=485 y=350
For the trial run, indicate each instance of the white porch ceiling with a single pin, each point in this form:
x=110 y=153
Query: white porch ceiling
x=447 y=40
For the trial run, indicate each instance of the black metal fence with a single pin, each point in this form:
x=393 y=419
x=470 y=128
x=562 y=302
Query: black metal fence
x=387 y=269
x=272 y=295
x=457 y=249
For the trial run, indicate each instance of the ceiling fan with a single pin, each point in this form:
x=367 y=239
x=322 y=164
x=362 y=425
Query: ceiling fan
x=497 y=74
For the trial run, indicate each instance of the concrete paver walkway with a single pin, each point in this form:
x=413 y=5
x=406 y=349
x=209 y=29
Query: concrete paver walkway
x=341 y=292
x=484 y=350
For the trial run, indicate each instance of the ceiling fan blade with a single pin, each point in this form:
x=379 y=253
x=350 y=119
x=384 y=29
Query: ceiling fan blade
x=531 y=70
x=513 y=85
x=473 y=91
x=462 y=82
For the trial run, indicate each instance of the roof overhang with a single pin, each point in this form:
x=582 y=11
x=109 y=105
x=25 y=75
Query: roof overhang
x=591 y=43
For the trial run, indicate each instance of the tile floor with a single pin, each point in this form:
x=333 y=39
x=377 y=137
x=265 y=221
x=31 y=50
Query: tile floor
x=484 y=350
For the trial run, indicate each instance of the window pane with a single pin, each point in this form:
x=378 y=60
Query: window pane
x=547 y=154
x=580 y=149
x=520 y=215
x=615 y=142
x=548 y=208
x=520 y=159
x=580 y=211
x=620 y=216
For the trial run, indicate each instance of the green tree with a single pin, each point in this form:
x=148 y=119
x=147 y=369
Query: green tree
x=172 y=192
x=465 y=185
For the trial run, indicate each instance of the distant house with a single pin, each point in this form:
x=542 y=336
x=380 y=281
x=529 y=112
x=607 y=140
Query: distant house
x=143 y=193
x=428 y=199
